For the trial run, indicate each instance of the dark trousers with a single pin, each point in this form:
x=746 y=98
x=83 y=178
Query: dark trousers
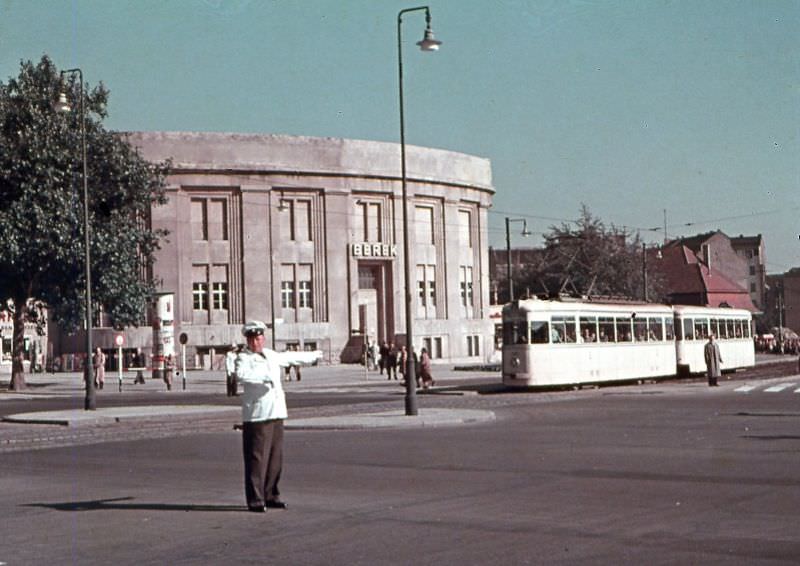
x=231 y=384
x=262 y=444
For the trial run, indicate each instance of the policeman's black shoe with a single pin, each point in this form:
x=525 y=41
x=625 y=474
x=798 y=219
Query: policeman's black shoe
x=257 y=509
x=276 y=504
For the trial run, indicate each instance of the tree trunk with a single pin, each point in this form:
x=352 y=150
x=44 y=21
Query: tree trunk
x=18 y=347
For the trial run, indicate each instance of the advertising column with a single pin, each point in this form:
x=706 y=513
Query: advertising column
x=163 y=335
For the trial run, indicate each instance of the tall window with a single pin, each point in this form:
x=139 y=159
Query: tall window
x=465 y=228
x=199 y=219
x=467 y=296
x=423 y=224
x=217 y=219
x=426 y=291
x=368 y=221
x=296 y=286
x=200 y=296
x=209 y=219
x=304 y=294
x=295 y=219
x=287 y=286
x=200 y=288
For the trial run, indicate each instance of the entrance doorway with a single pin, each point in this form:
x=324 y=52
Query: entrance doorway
x=375 y=316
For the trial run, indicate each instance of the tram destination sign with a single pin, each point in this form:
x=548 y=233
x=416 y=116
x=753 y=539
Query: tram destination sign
x=366 y=249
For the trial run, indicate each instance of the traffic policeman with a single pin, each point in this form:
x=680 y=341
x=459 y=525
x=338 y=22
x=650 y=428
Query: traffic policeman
x=259 y=370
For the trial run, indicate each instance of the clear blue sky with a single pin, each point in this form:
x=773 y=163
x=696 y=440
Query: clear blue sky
x=630 y=107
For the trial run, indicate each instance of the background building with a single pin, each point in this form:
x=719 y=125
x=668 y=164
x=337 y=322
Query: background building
x=309 y=231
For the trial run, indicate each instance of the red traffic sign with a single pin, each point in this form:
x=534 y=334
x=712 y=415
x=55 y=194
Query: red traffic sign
x=119 y=339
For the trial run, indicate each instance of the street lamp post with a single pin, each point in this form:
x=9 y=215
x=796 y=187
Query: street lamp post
x=428 y=43
x=90 y=401
x=525 y=233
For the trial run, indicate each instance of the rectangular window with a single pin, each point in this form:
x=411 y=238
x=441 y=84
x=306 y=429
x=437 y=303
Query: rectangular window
x=304 y=296
x=563 y=329
x=655 y=327
x=219 y=296
x=437 y=348
x=540 y=332
x=301 y=212
x=688 y=329
x=669 y=328
x=606 y=329
x=219 y=287
x=467 y=295
x=588 y=329
x=723 y=329
x=217 y=219
x=200 y=296
x=465 y=228
x=752 y=270
x=287 y=286
x=640 y=329
x=199 y=219
x=431 y=282
x=701 y=329
x=423 y=224
x=623 y=324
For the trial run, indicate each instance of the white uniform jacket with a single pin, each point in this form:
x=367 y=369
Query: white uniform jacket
x=230 y=362
x=260 y=376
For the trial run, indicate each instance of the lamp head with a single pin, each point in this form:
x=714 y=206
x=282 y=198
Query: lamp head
x=62 y=105
x=429 y=43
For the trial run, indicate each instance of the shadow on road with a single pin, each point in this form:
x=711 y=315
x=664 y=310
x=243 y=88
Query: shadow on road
x=117 y=504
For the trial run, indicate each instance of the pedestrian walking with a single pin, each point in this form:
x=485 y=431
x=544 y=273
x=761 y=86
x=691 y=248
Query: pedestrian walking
x=402 y=363
x=99 y=366
x=231 y=383
x=713 y=361
x=169 y=368
x=425 y=369
x=263 y=411
x=391 y=362
x=384 y=358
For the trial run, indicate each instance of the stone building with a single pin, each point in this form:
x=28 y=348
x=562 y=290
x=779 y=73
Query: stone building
x=309 y=232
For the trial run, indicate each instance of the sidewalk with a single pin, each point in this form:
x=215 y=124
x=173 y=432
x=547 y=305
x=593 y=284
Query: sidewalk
x=315 y=379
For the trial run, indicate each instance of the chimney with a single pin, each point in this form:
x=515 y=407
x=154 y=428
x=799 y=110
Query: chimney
x=705 y=251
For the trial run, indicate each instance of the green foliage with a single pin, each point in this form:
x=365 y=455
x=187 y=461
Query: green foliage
x=41 y=202
x=588 y=258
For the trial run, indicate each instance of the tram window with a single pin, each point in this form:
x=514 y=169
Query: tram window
x=623 y=329
x=723 y=329
x=729 y=328
x=640 y=329
x=563 y=329
x=669 y=329
x=713 y=327
x=701 y=328
x=540 y=331
x=521 y=332
x=688 y=329
x=737 y=328
x=746 y=329
x=588 y=329
x=606 y=329
x=655 y=327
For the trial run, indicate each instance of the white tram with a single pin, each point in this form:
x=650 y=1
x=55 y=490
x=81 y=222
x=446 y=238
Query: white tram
x=732 y=329
x=552 y=343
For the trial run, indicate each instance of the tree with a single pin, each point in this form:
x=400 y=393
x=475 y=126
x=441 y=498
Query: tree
x=587 y=258
x=41 y=211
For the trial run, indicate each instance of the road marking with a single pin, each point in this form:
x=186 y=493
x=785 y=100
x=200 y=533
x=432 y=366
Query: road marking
x=745 y=388
x=779 y=387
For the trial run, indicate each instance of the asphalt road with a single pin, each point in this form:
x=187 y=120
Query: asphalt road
x=671 y=473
